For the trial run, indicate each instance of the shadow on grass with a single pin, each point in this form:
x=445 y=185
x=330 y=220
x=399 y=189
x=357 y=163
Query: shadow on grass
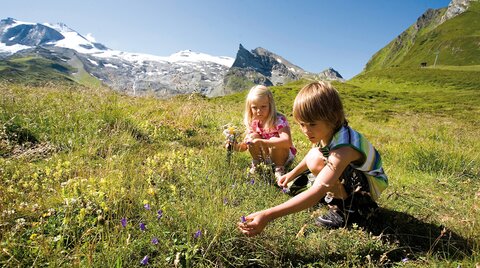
x=416 y=237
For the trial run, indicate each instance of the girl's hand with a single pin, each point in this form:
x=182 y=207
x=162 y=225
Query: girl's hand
x=254 y=224
x=257 y=142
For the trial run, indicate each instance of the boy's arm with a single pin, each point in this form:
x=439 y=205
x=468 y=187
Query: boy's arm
x=297 y=170
x=339 y=159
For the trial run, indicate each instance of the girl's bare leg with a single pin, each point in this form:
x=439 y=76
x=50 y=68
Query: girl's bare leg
x=279 y=156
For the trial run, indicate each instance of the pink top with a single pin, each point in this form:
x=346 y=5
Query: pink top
x=267 y=133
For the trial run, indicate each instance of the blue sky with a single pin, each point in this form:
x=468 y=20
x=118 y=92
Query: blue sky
x=313 y=34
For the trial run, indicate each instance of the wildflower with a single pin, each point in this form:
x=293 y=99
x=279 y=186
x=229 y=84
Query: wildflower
x=225 y=201
x=151 y=191
x=143 y=226
x=33 y=236
x=197 y=234
x=154 y=240
x=147 y=206
x=405 y=259
x=285 y=190
x=243 y=220
x=159 y=214
x=144 y=261
x=252 y=181
x=124 y=222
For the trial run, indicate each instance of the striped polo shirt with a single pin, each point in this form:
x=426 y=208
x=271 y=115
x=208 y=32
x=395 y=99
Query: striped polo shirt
x=371 y=167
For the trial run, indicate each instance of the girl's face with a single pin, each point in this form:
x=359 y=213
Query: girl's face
x=317 y=131
x=260 y=108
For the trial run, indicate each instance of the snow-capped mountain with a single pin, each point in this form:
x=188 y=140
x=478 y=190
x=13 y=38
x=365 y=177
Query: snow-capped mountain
x=134 y=73
x=183 y=72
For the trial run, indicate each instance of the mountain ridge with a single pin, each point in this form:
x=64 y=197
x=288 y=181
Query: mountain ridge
x=446 y=36
x=183 y=72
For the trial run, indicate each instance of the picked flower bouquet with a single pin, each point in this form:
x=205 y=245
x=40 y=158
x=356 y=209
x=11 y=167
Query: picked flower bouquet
x=231 y=134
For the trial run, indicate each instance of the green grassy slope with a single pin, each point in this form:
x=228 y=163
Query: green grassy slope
x=74 y=163
x=34 y=71
x=456 y=42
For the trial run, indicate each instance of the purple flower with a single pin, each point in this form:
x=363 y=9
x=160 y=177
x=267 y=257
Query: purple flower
x=144 y=261
x=405 y=259
x=124 y=222
x=197 y=234
x=225 y=201
x=243 y=220
x=252 y=181
x=142 y=226
x=154 y=240
x=147 y=206
x=159 y=214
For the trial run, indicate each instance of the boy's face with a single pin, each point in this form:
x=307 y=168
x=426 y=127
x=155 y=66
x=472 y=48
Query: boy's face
x=260 y=108
x=317 y=131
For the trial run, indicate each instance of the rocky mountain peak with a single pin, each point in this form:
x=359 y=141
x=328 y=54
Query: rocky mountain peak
x=427 y=18
x=455 y=8
x=30 y=35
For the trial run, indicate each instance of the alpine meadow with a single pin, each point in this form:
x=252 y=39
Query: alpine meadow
x=93 y=177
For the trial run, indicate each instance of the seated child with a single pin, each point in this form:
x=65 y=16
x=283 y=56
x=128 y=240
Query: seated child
x=348 y=169
x=268 y=136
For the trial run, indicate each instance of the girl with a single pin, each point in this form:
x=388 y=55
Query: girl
x=348 y=170
x=268 y=136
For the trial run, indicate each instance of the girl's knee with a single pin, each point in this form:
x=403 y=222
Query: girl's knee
x=254 y=136
x=279 y=156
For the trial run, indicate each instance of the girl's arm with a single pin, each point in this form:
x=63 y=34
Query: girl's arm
x=283 y=141
x=339 y=159
x=240 y=147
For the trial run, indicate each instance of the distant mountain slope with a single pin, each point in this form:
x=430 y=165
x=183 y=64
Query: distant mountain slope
x=133 y=73
x=91 y=63
x=447 y=36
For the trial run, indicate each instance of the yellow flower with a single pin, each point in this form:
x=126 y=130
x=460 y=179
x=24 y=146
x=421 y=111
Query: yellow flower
x=33 y=236
x=145 y=201
x=151 y=191
x=48 y=171
x=173 y=188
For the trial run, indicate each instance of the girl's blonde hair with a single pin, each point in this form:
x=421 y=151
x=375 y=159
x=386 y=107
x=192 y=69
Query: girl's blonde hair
x=257 y=92
x=319 y=101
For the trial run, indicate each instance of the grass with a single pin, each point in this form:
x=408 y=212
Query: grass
x=75 y=161
x=35 y=71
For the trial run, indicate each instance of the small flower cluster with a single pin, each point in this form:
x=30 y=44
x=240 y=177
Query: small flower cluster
x=231 y=134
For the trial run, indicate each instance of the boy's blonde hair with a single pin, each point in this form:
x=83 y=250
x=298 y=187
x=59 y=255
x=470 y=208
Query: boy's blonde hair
x=319 y=101
x=257 y=92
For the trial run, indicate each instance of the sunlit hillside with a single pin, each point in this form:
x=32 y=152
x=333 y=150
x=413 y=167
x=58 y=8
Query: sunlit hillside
x=89 y=177
x=454 y=43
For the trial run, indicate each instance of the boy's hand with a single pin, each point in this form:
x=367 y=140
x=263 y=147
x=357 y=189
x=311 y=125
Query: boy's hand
x=254 y=224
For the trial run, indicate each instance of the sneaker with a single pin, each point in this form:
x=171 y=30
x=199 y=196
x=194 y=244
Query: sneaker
x=279 y=171
x=334 y=218
x=253 y=169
